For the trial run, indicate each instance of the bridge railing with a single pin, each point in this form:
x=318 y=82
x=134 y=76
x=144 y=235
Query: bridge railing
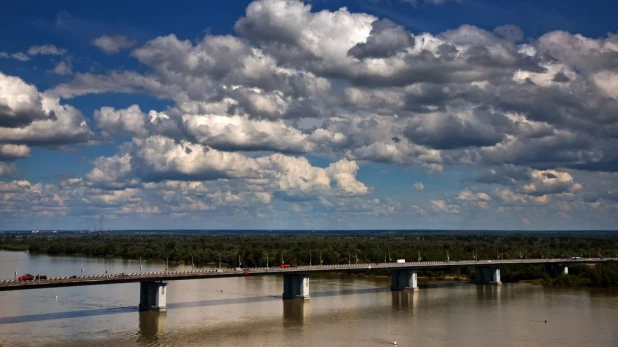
x=188 y=273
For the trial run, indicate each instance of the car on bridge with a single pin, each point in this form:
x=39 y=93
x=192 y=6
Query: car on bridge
x=26 y=277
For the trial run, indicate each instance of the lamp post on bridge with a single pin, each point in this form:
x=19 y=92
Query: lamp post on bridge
x=266 y=259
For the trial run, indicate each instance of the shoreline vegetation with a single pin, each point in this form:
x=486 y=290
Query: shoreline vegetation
x=254 y=250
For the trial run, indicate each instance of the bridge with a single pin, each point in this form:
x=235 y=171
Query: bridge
x=296 y=279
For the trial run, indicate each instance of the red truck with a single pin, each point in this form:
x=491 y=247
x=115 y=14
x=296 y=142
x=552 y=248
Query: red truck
x=285 y=266
x=26 y=277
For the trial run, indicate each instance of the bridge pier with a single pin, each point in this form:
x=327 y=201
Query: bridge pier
x=555 y=270
x=403 y=279
x=295 y=286
x=153 y=296
x=487 y=275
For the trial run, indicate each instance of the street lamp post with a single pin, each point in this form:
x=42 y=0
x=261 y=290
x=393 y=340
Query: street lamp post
x=266 y=259
x=348 y=258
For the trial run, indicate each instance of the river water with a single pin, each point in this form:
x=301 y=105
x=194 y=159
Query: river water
x=343 y=311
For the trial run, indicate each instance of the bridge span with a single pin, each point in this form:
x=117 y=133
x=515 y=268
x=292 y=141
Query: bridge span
x=296 y=279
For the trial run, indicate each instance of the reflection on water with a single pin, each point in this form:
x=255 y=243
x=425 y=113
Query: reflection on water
x=344 y=311
x=404 y=299
x=295 y=311
x=151 y=324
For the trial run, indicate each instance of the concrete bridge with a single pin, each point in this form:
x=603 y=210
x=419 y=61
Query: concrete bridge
x=295 y=279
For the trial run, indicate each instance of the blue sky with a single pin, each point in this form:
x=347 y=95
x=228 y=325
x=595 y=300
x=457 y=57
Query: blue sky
x=467 y=114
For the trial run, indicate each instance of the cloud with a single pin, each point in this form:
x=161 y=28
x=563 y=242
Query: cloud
x=550 y=182
x=442 y=206
x=156 y=159
x=63 y=68
x=30 y=118
x=481 y=199
x=130 y=121
x=510 y=32
x=530 y=181
x=20 y=103
x=46 y=50
x=18 y=56
x=462 y=96
x=535 y=116
x=7 y=170
x=11 y=152
x=385 y=40
x=441 y=131
x=419 y=186
x=225 y=132
x=113 y=44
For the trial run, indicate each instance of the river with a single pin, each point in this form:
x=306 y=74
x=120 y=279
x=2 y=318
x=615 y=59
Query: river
x=342 y=311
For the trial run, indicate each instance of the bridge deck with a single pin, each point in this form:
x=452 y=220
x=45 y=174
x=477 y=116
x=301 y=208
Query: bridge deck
x=51 y=282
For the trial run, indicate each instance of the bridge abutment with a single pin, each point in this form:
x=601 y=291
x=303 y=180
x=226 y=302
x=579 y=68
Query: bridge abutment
x=153 y=296
x=404 y=279
x=487 y=275
x=295 y=286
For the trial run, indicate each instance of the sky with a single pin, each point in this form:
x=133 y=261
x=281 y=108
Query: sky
x=368 y=114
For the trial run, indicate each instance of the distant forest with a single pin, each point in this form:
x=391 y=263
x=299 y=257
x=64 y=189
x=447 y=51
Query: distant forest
x=304 y=248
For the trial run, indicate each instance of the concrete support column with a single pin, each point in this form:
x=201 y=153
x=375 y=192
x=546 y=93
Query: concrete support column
x=487 y=275
x=555 y=270
x=153 y=296
x=296 y=287
x=404 y=279
x=496 y=276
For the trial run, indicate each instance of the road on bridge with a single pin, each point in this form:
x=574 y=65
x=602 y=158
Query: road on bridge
x=13 y=284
